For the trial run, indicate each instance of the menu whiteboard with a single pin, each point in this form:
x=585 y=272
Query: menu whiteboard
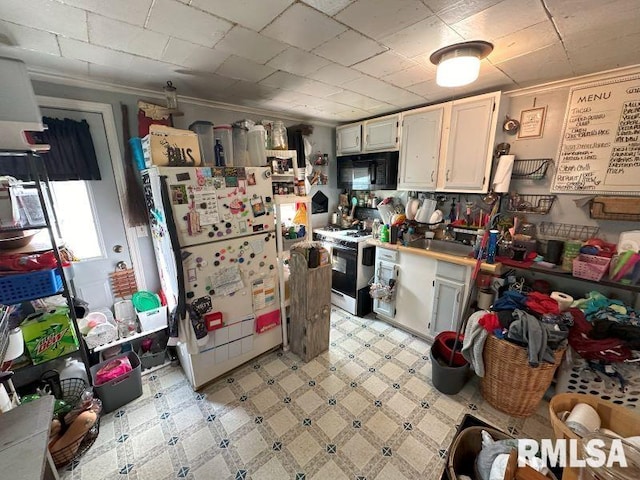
x=600 y=145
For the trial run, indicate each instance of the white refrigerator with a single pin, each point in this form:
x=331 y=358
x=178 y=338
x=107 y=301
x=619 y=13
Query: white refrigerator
x=214 y=240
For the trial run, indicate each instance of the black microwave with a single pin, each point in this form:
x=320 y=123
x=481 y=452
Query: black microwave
x=368 y=171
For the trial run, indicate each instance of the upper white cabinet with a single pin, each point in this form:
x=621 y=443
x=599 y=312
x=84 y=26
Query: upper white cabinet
x=381 y=133
x=420 y=148
x=469 y=144
x=349 y=138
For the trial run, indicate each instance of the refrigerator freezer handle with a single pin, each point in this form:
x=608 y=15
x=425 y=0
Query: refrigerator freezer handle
x=181 y=308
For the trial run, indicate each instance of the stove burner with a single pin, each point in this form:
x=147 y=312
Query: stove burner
x=357 y=233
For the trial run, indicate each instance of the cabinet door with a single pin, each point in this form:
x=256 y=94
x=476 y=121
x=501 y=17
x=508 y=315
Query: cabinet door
x=348 y=138
x=385 y=271
x=381 y=133
x=420 y=149
x=470 y=144
x=415 y=292
x=446 y=305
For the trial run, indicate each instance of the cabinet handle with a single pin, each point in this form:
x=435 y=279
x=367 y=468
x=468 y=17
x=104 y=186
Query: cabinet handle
x=358 y=140
x=447 y=176
x=432 y=172
x=458 y=297
x=367 y=139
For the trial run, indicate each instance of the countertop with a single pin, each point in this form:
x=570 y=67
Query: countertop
x=494 y=268
x=24 y=434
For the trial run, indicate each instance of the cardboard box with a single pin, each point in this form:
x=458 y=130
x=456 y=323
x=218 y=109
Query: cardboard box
x=166 y=146
x=49 y=335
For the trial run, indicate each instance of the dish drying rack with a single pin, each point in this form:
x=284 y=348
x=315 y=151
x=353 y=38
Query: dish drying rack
x=530 y=169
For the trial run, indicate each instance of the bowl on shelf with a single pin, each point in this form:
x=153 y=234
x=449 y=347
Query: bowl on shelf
x=12 y=240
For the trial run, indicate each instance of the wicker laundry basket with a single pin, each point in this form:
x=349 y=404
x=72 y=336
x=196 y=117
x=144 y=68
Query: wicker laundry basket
x=509 y=383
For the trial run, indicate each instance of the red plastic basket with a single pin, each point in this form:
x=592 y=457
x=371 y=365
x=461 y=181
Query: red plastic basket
x=590 y=267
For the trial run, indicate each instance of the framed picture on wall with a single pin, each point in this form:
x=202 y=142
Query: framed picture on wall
x=532 y=122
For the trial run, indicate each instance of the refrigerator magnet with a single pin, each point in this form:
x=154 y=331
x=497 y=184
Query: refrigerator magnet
x=257 y=205
x=251 y=179
x=178 y=194
x=192 y=275
x=201 y=305
x=193 y=223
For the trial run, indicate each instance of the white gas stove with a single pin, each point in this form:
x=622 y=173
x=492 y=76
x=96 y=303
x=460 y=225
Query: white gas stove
x=353 y=266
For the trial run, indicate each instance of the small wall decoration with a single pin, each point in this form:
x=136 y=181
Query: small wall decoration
x=532 y=122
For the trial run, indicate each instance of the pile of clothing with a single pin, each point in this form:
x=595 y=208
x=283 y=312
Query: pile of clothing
x=533 y=321
x=606 y=330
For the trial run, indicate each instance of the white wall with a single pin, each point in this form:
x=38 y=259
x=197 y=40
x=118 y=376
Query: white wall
x=323 y=139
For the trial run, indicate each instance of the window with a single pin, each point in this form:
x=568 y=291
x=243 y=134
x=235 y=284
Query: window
x=76 y=214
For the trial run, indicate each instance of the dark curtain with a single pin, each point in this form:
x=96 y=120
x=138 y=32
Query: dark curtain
x=72 y=155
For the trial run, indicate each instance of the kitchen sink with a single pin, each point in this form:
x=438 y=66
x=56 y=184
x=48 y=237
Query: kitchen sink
x=442 y=246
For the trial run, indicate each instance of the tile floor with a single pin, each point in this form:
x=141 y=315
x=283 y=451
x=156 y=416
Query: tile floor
x=365 y=409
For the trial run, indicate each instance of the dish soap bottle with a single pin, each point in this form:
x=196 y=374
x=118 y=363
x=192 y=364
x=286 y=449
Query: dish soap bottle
x=219 y=154
x=384 y=233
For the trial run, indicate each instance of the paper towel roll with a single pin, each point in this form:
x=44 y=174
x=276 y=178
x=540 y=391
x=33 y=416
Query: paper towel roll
x=583 y=419
x=16 y=345
x=502 y=178
x=564 y=300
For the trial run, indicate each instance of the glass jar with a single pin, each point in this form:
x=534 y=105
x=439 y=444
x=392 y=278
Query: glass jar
x=615 y=471
x=279 y=136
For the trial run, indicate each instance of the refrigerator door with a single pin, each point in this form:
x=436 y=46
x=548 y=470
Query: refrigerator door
x=237 y=279
x=218 y=203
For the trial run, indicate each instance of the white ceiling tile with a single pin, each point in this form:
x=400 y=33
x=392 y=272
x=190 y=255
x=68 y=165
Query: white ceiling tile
x=330 y=7
x=604 y=55
x=335 y=74
x=422 y=38
x=456 y=11
x=251 y=91
x=249 y=13
x=131 y=12
x=546 y=64
x=303 y=27
x=110 y=58
x=187 y=23
x=125 y=37
x=384 y=64
x=380 y=18
x=203 y=86
x=294 y=60
x=354 y=99
x=382 y=91
x=131 y=77
x=47 y=15
x=501 y=19
x=382 y=109
x=249 y=44
x=243 y=69
x=43 y=62
x=348 y=48
x=410 y=76
x=523 y=42
x=192 y=56
x=287 y=81
x=587 y=20
x=30 y=38
x=429 y=89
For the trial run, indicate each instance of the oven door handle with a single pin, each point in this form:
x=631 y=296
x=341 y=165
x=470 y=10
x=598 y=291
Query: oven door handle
x=373 y=170
x=342 y=248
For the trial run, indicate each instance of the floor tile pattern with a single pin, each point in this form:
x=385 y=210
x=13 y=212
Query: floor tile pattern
x=364 y=409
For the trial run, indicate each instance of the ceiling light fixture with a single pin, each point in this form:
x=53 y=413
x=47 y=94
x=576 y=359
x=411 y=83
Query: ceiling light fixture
x=459 y=64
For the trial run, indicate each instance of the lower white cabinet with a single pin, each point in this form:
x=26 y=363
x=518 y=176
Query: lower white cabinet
x=414 y=297
x=386 y=274
x=429 y=293
x=447 y=303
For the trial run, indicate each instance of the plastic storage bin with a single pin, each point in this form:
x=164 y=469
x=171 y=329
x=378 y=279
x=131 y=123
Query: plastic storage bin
x=121 y=390
x=153 y=319
x=205 y=140
x=256 y=145
x=29 y=286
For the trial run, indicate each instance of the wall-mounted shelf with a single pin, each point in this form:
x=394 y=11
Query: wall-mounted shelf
x=566 y=231
x=535 y=204
x=615 y=208
x=531 y=168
